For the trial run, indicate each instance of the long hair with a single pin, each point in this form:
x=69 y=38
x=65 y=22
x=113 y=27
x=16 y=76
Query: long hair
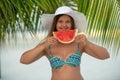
x=53 y=27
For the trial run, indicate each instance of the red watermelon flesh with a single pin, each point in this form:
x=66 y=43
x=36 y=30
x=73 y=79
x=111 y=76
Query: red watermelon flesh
x=66 y=36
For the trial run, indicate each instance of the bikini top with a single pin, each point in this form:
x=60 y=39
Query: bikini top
x=72 y=60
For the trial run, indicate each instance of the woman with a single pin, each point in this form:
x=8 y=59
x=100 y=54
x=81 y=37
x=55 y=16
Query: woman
x=64 y=58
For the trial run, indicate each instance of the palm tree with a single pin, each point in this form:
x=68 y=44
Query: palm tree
x=24 y=16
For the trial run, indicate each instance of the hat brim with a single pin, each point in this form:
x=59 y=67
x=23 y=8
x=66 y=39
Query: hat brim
x=79 y=19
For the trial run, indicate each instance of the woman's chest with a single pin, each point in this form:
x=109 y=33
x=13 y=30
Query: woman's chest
x=64 y=51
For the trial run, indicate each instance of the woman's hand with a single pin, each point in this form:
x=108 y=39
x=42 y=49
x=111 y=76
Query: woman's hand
x=81 y=38
x=51 y=41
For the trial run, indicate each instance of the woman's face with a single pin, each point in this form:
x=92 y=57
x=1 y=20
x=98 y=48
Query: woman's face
x=64 y=23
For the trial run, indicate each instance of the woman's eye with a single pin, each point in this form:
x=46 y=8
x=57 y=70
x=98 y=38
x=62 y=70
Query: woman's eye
x=60 y=21
x=68 y=21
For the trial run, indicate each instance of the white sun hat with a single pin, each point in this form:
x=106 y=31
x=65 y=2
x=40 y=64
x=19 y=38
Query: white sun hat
x=79 y=18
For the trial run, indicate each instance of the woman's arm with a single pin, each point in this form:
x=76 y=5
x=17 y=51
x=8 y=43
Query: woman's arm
x=92 y=49
x=96 y=51
x=33 y=54
x=37 y=52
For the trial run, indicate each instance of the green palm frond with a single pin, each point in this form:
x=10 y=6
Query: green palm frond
x=103 y=17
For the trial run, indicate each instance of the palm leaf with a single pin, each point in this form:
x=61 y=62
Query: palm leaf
x=24 y=16
x=103 y=21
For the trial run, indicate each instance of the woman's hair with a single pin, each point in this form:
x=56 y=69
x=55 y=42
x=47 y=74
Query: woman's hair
x=53 y=27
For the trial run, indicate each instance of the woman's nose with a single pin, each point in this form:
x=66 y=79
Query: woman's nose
x=64 y=24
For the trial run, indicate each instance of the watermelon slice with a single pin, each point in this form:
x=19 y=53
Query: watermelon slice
x=66 y=36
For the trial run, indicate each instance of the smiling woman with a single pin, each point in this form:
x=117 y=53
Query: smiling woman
x=20 y=16
x=65 y=58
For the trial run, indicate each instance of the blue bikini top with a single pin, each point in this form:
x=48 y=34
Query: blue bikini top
x=73 y=60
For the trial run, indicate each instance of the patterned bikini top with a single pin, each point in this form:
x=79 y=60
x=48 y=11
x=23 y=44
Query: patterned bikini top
x=72 y=60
